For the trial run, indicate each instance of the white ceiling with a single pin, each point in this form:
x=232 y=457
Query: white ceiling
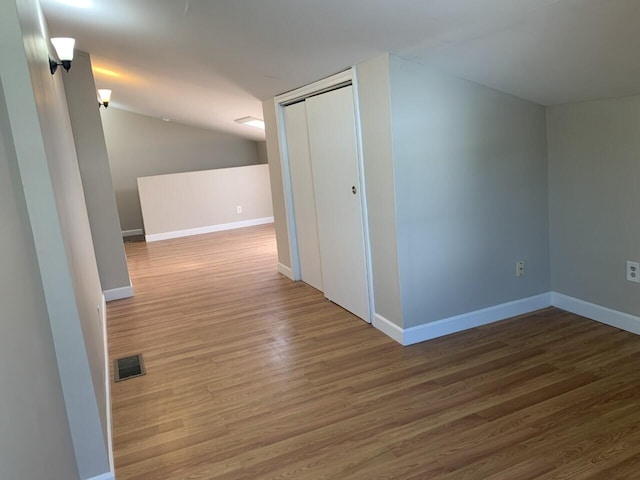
x=208 y=62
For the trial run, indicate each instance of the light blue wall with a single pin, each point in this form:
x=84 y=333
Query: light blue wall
x=471 y=194
x=594 y=200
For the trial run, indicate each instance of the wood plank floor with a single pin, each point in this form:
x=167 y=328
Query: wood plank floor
x=251 y=376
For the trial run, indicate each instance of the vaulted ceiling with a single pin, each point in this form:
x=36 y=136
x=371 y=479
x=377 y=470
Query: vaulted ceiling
x=208 y=62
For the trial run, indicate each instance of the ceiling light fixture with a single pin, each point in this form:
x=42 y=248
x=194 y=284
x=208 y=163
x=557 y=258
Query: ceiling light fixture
x=251 y=122
x=104 y=97
x=64 y=50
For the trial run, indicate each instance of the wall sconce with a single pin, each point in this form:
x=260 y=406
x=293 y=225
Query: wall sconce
x=104 y=97
x=64 y=50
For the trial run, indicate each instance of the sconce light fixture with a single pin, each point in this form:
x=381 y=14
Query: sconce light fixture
x=104 y=97
x=64 y=50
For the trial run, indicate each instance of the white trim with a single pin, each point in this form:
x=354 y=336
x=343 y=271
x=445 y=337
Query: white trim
x=107 y=389
x=286 y=271
x=119 y=293
x=343 y=78
x=288 y=193
x=366 y=239
x=315 y=87
x=104 y=476
x=601 y=314
x=469 y=320
x=446 y=326
x=389 y=328
x=132 y=233
x=209 y=229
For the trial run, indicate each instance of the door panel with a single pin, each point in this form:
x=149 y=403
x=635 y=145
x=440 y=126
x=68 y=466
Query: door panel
x=304 y=204
x=334 y=162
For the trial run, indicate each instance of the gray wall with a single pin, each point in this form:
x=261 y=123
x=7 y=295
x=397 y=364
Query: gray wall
x=375 y=114
x=45 y=154
x=262 y=152
x=471 y=194
x=141 y=146
x=594 y=174
x=35 y=441
x=88 y=135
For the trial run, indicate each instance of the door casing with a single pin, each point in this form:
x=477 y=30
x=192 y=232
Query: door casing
x=348 y=77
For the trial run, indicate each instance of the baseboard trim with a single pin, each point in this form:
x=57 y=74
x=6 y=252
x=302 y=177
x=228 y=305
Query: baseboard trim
x=286 y=271
x=389 y=328
x=104 y=476
x=107 y=389
x=208 y=229
x=608 y=316
x=446 y=326
x=132 y=233
x=119 y=293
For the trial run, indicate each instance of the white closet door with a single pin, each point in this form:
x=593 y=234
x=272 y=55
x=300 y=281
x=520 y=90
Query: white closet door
x=304 y=205
x=334 y=161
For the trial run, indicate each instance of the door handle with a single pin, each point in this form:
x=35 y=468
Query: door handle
x=353 y=190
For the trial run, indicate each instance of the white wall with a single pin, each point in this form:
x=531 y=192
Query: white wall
x=471 y=194
x=45 y=155
x=176 y=204
x=594 y=179
x=141 y=146
x=88 y=135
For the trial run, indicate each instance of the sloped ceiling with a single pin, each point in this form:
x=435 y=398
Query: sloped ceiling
x=208 y=62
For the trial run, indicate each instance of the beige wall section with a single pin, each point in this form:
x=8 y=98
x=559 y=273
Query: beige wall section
x=45 y=153
x=141 y=146
x=35 y=441
x=277 y=190
x=195 y=200
x=594 y=178
x=91 y=149
x=375 y=117
x=262 y=152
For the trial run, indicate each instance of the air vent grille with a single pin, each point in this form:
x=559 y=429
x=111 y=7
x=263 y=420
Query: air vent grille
x=129 y=367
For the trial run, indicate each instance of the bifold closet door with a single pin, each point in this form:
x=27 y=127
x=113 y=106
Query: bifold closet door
x=334 y=161
x=304 y=204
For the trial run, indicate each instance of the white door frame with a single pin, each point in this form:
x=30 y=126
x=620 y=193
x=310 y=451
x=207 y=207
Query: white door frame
x=348 y=77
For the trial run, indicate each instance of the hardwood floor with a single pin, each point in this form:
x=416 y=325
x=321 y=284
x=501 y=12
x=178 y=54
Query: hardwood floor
x=251 y=376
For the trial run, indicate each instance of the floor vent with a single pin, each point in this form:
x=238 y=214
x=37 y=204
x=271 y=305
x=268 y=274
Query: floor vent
x=129 y=367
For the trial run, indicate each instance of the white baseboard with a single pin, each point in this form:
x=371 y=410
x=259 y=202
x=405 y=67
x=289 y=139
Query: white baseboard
x=132 y=233
x=286 y=271
x=107 y=389
x=615 y=318
x=389 y=328
x=209 y=229
x=446 y=326
x=428 y=331
x=104 y=476
x=119 y=293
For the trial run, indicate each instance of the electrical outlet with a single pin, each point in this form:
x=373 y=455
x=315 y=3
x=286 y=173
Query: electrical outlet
x=239 y=209
x=633 y=272
x=520 y=268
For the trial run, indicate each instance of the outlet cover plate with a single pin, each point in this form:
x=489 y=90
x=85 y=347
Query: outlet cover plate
x=633 y=272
